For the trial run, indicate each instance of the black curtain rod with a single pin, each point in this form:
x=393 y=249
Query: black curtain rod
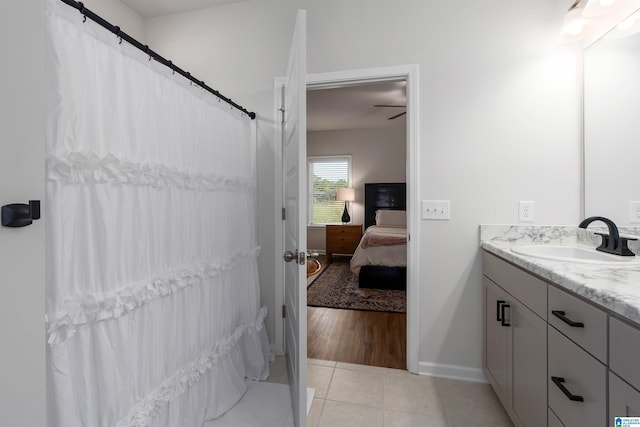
x=152 y=55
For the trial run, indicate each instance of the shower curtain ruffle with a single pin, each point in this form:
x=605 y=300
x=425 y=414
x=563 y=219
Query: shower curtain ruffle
x=153 y=309
x=84 y=168
x=82 y=309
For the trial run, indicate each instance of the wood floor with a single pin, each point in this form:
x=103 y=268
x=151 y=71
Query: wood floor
x=356 y=336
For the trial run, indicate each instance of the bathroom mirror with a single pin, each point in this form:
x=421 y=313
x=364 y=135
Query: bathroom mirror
x=612 y=125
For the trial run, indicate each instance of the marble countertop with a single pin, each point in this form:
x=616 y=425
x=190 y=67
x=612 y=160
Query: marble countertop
x=616 y=289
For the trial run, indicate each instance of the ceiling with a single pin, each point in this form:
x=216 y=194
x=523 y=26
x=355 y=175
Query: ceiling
x=150 y=8
x=353 y=107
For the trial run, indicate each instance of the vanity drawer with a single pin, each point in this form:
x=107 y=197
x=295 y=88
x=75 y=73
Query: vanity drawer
x=624 y=352
x=624 y=400
x=583 y=376
x=592 y=335
x=528 y=289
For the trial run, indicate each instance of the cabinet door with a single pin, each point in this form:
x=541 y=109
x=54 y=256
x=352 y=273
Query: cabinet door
x=528 y=366
x=496 y=351
x=624 y=400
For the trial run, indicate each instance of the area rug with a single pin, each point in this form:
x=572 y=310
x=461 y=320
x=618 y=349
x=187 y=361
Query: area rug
x=337 y=287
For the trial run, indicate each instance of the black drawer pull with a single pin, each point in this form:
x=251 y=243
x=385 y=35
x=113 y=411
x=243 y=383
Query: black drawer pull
x=503 y=320
x=561 y=315
x=498 y=304
x=558 y=382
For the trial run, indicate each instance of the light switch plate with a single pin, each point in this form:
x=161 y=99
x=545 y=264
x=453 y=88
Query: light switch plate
x=436 y=209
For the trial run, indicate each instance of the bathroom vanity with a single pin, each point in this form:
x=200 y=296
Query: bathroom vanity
x=562 y=339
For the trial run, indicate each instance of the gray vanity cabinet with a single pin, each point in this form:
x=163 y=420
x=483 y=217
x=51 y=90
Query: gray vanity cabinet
x=515 y=353
x=555 y=359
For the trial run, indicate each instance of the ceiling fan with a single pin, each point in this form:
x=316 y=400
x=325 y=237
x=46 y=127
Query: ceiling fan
x=393 y=106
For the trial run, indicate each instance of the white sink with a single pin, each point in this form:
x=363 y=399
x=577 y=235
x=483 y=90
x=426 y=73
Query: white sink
x=575 y=254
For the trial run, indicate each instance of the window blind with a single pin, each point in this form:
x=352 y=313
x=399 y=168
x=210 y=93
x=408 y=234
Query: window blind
x=325 y=176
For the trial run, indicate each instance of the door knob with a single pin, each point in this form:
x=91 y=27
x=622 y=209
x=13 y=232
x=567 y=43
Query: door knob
x=298 y=257
x=290 y=256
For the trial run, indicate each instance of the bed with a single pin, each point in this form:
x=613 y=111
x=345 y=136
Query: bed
x=380 y=260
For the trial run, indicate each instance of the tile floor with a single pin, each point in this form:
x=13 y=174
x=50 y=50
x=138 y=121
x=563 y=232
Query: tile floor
x=359 y=395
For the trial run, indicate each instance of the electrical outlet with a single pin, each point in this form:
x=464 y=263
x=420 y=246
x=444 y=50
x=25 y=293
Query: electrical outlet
x=634 y=212
x=436 y=209
x=526 y=212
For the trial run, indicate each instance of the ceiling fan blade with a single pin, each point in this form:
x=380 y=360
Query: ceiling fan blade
x=387 y=105
x=397 y=115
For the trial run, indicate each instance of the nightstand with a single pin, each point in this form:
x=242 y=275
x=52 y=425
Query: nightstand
x=342 y=239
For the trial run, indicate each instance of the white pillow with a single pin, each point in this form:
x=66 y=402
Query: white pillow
x=391 y=217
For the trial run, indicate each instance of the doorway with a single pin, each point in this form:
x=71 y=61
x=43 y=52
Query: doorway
x=356 y=138
x=408 y=74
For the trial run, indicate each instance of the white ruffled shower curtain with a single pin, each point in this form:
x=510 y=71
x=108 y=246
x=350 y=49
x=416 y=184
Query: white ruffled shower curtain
x=153 y=306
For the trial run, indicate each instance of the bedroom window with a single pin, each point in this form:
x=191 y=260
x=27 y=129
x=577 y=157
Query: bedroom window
x=324 y=176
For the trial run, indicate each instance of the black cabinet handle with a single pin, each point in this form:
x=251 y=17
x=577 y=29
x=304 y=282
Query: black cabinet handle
x=558 y=382
x=498 y=304
x=503 y=320
x=561 y=315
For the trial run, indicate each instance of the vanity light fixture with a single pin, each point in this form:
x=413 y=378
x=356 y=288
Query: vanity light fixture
x=586 y=16
x=574 y=24
x=595 y=8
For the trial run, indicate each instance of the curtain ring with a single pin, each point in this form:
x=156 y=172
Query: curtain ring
x=146 y=50
x=118 y=34
x=173 y=70
x=82 y=11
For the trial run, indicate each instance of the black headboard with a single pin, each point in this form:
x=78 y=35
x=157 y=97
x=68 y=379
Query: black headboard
x=383 y=196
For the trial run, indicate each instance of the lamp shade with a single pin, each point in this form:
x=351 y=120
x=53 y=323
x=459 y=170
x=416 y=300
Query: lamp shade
x=346 y=194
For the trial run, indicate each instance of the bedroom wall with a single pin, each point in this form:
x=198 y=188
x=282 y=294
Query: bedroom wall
x=499 y=122
x=377 y=155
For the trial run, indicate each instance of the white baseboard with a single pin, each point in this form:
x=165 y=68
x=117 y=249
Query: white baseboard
x=453 y=372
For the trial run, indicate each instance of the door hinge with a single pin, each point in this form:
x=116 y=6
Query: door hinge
x=282 y=114
x=284 y=311
x=284 y=214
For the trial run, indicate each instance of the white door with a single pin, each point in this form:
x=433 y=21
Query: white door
x=22 y=253
x=294 y=153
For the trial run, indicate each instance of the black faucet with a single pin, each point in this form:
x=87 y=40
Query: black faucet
x=611 y=243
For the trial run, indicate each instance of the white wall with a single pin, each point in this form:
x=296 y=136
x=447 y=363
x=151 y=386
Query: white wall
x=377 y=155
x=22 y=256
x=22 y=251
x=121 y=15
x=499 y=120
